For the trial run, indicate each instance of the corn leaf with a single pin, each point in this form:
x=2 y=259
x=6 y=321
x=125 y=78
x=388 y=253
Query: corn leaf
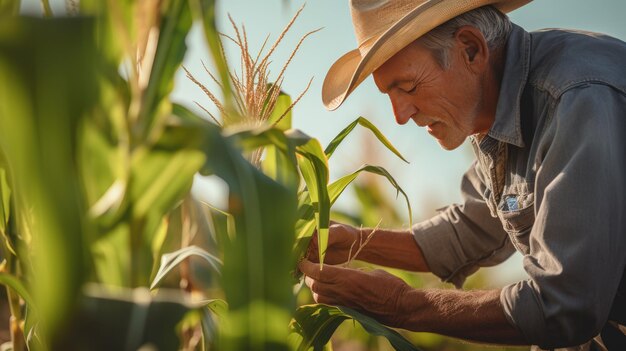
x=257 y=258
x=280 y=117
x=337 y=187
x=48 y=85
x=171 y=260
x=222 y=223
x=278 y=165
x=251 y=138
x=332 y=146
x=304 y=227
x=315 y=324
x=15 y=284
x=161 y=177
x=169 y=55
x=218 y=308
x=33 y=337
x=280 y=152
x=5 y=201
x=103 y=172
x=9 y=7
x=313 y=165
x=112 y=256
x=205 y=9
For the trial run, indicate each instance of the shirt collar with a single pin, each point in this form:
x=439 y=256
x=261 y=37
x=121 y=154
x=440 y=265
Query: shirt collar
x=507 y=124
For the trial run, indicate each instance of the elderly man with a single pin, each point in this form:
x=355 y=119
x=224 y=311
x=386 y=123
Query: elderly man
x=546 y=116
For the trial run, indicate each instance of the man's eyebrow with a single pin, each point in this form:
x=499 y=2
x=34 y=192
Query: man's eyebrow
x=394 y=84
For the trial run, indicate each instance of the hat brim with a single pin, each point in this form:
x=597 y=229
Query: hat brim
x=354 y=67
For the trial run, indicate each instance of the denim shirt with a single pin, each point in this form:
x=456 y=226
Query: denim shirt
x=549 y=181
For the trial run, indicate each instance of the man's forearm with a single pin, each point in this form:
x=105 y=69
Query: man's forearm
x=389 y=248
x=470 y=315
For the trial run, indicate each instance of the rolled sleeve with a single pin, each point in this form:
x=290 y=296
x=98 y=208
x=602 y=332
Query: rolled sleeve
x=577 y=243
x=462 y=238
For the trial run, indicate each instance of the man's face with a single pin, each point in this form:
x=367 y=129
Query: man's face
x=447 y=101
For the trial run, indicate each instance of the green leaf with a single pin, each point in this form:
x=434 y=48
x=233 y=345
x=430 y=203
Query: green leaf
x=258 y=257
x=205 y=10
x=15 y=284
x=171 y=260
x=170 y=52
x=112 y=256
x=217 y=306
x=280 y=157
x=316 y=324
x=337 y=187
x=9 y=7
x=330 y=149
x=252 y=138
x=209 y=328
x=280 y=166
x=49 y=84
x=222 y=223
x=161 y=177
x=304 y=229
x=103 y=172
x=5 y=201
x=283 y=102
x=314 y=169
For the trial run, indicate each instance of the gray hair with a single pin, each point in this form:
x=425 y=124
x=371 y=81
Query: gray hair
x=493 y=24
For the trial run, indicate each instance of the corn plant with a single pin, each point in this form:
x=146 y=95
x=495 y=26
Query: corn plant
x=96 y=166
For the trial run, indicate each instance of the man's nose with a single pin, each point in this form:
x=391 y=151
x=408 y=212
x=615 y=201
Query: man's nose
x=402 y=109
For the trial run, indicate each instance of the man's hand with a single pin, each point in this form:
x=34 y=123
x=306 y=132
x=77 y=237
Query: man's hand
x=376 y=293
x=341 y=238
x=389 y=248
x=470 y=315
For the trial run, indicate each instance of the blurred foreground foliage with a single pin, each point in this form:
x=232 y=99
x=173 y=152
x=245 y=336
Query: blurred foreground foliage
x=103 y=246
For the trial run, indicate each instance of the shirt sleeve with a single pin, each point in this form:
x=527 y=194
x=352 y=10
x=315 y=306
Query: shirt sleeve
x=462 y=238
x=578 y=240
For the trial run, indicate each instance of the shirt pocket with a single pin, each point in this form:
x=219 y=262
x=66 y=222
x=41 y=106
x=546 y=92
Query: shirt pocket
x=517 y=214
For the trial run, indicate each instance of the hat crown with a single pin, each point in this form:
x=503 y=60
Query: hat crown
x=373 y=17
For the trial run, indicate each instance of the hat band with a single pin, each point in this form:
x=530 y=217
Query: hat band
x=367 y=44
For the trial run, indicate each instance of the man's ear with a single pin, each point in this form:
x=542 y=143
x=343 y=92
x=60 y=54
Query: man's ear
x=472 y=47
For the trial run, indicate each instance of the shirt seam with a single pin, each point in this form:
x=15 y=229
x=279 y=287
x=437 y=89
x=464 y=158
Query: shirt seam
x=556 y=93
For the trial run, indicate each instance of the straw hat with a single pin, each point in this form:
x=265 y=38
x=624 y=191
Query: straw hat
x=384 y=27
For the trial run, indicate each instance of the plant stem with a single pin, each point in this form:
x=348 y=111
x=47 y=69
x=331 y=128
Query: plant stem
x=15 y=325
x=47 y=10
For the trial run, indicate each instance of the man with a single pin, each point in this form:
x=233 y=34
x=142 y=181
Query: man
x=546 y=115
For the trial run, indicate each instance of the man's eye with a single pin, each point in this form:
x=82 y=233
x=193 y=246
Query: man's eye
x=412 y=90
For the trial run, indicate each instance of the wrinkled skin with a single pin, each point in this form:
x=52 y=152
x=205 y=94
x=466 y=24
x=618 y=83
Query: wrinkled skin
x=344 y=238
x=453 y=103
x=377 y=292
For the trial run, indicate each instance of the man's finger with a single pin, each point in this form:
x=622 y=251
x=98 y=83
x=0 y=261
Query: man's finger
x=318 y=287
x=310 y=269
x=329 y=273
x=310 y=282
x=312 y=251
x=324 y=299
